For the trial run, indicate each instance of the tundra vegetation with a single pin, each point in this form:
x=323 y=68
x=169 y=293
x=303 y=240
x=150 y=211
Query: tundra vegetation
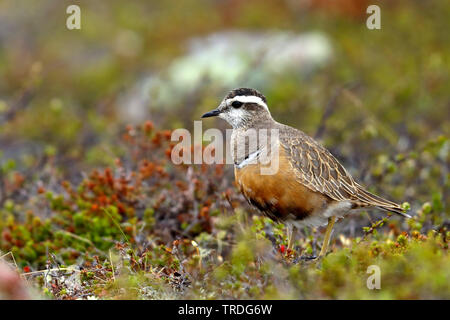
x=92 y=207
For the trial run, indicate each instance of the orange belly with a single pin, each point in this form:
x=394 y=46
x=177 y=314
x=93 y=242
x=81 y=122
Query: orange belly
x=280 y=195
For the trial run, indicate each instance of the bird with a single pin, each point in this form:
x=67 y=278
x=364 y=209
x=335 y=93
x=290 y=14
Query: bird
x=309 y=186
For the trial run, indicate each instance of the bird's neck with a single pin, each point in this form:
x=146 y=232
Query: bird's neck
x=253 y=138
x=263 y=121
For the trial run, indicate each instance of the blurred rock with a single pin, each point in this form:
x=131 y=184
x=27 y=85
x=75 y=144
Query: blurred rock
x=227 y=60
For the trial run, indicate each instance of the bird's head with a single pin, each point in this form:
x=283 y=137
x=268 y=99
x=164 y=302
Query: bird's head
x=241 y=107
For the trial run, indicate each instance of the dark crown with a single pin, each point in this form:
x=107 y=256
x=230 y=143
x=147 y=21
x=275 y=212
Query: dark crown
x=245 y=92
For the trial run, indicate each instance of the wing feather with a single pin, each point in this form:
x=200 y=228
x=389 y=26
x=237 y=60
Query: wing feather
x=316 y=168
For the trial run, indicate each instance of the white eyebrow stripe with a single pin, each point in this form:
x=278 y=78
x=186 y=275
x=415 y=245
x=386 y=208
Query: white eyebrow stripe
x=248 y=99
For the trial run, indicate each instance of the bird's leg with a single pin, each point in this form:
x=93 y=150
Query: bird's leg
x=290 y=231
x=326 y=240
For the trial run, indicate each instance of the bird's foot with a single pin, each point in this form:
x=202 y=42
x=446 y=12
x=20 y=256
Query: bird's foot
x=302 y=259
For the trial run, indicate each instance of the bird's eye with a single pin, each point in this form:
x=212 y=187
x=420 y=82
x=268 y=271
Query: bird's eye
x=236 y=104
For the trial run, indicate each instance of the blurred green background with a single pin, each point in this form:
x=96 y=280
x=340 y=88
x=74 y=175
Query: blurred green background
x=378 y=99
x=72 y=90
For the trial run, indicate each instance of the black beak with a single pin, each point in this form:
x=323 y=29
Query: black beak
x=212 y=113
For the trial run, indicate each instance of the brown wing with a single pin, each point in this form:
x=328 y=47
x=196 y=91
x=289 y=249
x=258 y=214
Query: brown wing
x=317 y=169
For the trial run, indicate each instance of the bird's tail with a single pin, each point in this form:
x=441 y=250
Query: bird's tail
x=381 y=203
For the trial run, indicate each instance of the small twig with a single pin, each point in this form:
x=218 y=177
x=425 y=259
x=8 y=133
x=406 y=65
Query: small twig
x=12 y=257
x=198 y=253
x=21 y=104
x=112 y=266
x=374 y=226
x=117 y=225
x=330 y=107
x=70 y=234
x=49 y=270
